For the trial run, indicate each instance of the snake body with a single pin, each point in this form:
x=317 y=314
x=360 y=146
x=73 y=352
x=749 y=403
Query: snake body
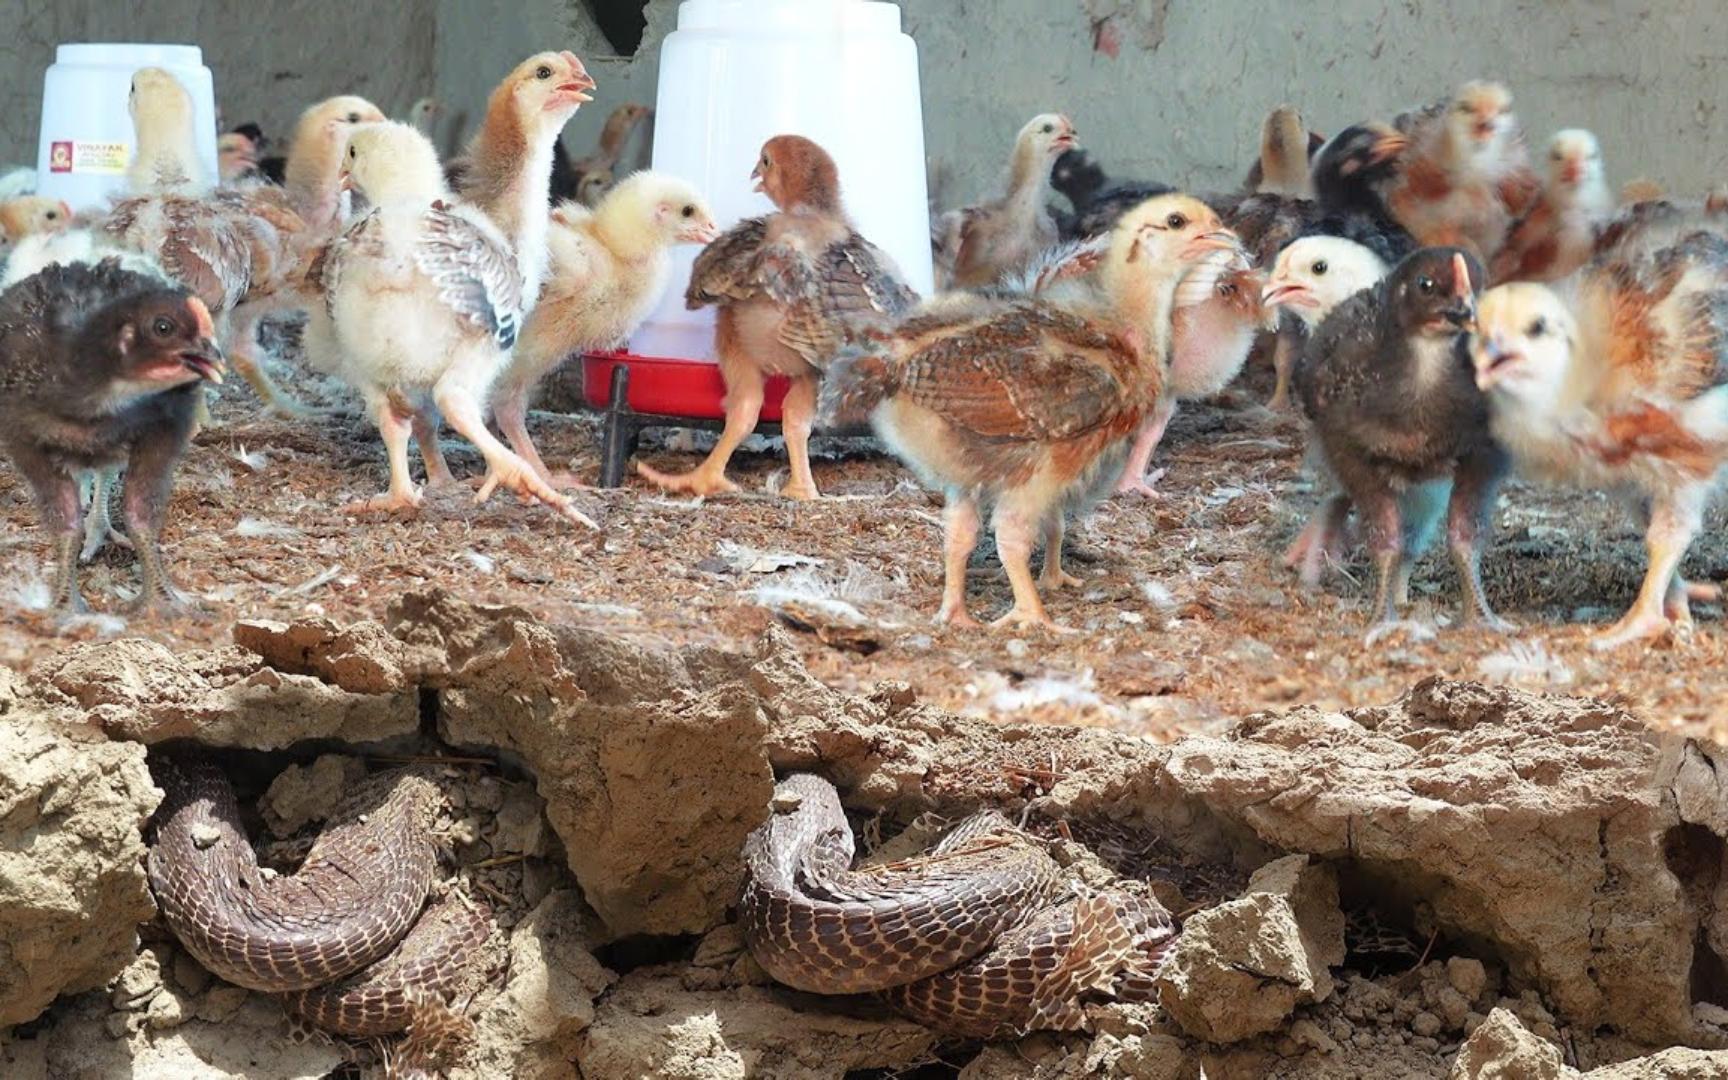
x=343 y=939
x=980 y=938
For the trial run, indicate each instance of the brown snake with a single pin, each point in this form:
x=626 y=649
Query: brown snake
x=980 y=938
x=342 y=939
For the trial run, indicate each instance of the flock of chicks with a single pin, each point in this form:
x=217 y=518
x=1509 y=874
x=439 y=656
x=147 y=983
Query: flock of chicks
x=1039 y=379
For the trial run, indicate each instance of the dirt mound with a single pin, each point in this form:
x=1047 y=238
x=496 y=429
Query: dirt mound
x=1544 y=855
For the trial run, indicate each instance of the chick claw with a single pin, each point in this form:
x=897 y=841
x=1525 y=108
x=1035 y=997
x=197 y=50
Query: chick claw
x=697 y=481
x=518 y=477
x=956 y=616
x=1636 y=626
x=1142 y=485
x=391 y=502
x=1036 y=619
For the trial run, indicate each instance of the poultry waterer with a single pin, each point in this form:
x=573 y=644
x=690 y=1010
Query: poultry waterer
x=86 y=138
x=732 y=75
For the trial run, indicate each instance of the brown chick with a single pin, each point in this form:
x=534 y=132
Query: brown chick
x=315 y=159
x=1463 y=174
x=1286 y=144
x=614 y=137
x=1556 y=235
x=236 y=157
x=1624 y=389
x=792 y=288
x=101 y=366
x=1025 y=406
x=979 y=245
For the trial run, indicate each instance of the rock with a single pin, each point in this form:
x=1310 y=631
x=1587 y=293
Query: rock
x=135 y=986
x=189 y=974
x=520 y=823
x=1467 y=976
x=1312 y=890
x=252 y=1043
x=362 y=658
x=1502 y=1049
x=1239 y=970
x=1426 y=1023
x=1678 y=1063
x=649 y=1025
x=72 y=888
x=136 y=689
x=531 y=1031
x=303 y=794
x=221 y=1002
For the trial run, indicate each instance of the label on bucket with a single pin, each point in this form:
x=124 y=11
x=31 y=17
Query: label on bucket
x=68 y=156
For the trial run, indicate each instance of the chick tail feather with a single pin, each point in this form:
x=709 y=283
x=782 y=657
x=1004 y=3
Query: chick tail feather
x=861 y=377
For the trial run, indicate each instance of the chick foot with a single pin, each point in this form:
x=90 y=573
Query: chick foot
x=1053 y=578
x=801 y=492
x=957 y=616
x=1019 y=616
x=1142 y=485
x=511 y=472
x=698 y=481
x=1637 y=625
x=391 y=502
x=99 y=532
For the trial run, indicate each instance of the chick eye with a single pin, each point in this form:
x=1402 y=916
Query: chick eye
x=353 y=118
x=1538 y=328
x=1320 y=268
x=544 y=71
x=350 y=152
x=1048 y=128
x=1425 y=284
x=162 y=326
x=53 y=215
x=688 y=211
x=1176 y=221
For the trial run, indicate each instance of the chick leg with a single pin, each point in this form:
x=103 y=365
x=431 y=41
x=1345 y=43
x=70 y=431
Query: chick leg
x=242 y=350
x=1134 y=479
x=798 y=416
x=99 y=528
x=425 y=423
x=1380 y=514
x=1015 y=532
x=1473 y=487
x=1321 y=541
x=149 y=481
x=744 y=387
x=1284 y=352
x=459 y=399
x=394 y=426
x=1053 y=576
x=62 y=510
x=959 y=537
x=1674 y=521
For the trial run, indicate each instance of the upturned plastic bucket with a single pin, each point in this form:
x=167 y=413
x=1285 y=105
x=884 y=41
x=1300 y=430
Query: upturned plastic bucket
x=86 y=141
x=737 y=72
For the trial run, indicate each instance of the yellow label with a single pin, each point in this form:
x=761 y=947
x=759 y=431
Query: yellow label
x=88 y=157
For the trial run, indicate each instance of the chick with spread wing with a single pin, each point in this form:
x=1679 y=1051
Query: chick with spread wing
x=608 y=269
x=1623 y=387
x=1025 y=406
x=1386 y=385
x=792 y=288
x=978 y=245
x=1463 y=174
x=426 y=294
x=1557 y=234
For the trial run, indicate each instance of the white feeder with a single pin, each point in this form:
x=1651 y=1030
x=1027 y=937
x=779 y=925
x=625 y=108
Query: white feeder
x=86 y=143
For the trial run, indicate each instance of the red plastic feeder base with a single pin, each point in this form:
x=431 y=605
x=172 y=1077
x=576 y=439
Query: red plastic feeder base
x=638 y=392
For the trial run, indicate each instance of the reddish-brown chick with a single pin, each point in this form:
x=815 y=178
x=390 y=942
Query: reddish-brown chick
x=1555 y=237
x=792 y=288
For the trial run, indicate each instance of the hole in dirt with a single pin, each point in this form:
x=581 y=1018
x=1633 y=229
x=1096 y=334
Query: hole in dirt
x=645 y=950
x=622 y=21
x=429 y=711
x=1386 y=929
x=1694 y=855
x=935 y=1070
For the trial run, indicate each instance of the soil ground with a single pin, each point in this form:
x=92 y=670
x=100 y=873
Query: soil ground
x=1186 y=618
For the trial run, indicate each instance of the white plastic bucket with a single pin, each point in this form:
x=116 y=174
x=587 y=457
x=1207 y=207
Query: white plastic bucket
x=86 y=141
x=738 y=72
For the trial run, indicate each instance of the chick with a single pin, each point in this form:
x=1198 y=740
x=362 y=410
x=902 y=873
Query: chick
x=101 y=366
x=1312 y=276
x=236 y=158
x=1624 y=389
x=614 y=137
x=792 y=288
x=609 y=268
x=1349 y=173
x=1218 y=315
x=1386 y=384
x=315 y=159
x=426 y=298
x=1025 y=406
x=1286 y=146
x=30 y=215
x=164 y=132
x=1556 y=235
x=1106 y=200
x=1079 y=179
x=423 y=116
x=980 y=244
x=1463 y=175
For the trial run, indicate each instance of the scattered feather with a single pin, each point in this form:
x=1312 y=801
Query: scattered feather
x=261 y=529
x=255 y=460
x=731 y=558
x=483 y=563
x=315 y=583
x=26 y=587
x=1526 y=663
x=1157 y=594
x=1418 y=631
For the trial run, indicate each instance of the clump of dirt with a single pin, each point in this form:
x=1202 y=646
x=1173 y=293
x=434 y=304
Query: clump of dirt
x=1550 y=856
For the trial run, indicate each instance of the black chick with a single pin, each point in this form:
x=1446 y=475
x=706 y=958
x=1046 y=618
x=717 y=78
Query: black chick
x=1348 y=174
x=273 y=167
x=1098 y=201
x=101 y=366
x=1387 y=383
x=1079 y=179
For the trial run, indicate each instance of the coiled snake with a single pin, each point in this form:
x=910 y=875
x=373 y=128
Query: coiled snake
x=342 y=939
x=980 y=938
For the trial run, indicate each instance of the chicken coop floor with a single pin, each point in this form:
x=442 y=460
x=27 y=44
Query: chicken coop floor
x=1186 y=619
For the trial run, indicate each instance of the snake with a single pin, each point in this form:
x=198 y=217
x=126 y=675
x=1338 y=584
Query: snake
x=982 y=937
x=342 y=941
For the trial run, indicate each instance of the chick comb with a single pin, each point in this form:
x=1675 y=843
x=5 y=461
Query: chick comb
x=206 y=325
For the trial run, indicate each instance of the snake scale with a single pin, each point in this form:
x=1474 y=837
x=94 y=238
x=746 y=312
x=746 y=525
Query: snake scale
x=980 y=938
x=343 y=939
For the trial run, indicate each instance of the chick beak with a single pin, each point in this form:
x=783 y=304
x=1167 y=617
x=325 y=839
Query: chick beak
x=1571 y=172
x=1492 y=358
x=577 y=86
x=345 y=180
x=1067 y=138
x=758 y=181
x=1389 y=145
x=705 y=233
x=1216 y=240
x=1281 y=293
x=205 y=361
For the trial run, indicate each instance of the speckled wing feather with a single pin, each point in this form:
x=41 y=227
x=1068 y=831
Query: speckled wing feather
x=475 y=275
x=197 y=243
x=1031 y=372
x=1667 y=318
x=722 y=270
